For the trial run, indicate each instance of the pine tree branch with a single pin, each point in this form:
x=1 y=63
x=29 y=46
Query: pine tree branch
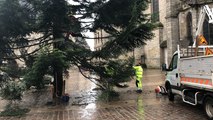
x=33 y=40
x=90 y=78
x=106 y=37
x=21 y=56
x=36 y=44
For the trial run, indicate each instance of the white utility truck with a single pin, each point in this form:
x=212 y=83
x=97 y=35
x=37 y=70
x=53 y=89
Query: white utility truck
x=190 y=73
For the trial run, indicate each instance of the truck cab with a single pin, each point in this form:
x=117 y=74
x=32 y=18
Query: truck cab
x=172 y=77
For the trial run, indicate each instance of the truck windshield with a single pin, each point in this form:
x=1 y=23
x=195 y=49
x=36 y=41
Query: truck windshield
x=173 y=64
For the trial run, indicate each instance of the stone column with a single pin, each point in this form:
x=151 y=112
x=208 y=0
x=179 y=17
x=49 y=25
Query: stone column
x=172 y=27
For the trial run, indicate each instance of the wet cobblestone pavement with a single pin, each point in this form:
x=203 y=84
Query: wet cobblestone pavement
x=130 y=106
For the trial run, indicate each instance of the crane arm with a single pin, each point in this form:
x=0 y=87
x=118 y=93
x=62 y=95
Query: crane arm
x=204 y=11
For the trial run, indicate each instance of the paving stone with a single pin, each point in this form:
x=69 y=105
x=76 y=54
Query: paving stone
x=131 y=106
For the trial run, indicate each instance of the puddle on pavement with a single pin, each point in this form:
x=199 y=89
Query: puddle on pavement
x=140 y=106
x=84 y=95
x=80 y=89
x=91 y=106
x=84 y=98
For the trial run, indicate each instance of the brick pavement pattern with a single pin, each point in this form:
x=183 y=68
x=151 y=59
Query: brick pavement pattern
x=163 y=111
x=131 y=106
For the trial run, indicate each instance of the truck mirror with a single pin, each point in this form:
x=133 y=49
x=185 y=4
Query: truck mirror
x=163 y=67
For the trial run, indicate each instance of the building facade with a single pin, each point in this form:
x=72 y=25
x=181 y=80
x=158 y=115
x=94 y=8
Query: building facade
x=178 y=21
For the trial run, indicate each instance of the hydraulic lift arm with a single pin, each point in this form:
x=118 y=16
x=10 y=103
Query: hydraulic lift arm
x=205 y=10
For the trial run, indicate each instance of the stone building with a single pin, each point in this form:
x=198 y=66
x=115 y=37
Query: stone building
x=180 y=22
x=100 y=40
x=179 y=19
x=177 y=26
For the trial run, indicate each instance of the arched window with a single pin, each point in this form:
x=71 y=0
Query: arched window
x=208 y=32
x=155 y=10
x=189 y=28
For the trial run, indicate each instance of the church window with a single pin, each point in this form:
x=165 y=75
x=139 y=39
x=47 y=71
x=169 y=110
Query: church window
x=155 y=10
x=208 y=32
x=189 y=28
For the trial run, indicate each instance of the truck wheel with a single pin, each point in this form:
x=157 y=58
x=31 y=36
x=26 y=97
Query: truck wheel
x=170 y=95
x=208 y=106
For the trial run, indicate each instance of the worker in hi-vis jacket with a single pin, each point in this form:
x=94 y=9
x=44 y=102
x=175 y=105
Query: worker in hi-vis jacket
x=139 y=74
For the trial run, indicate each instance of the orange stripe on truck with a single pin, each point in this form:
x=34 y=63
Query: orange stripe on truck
x=201 y=81
x=207 y=82
x=197 y=80
x=193 y=80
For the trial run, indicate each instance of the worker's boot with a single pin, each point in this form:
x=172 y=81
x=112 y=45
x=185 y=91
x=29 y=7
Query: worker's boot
x=139 y=91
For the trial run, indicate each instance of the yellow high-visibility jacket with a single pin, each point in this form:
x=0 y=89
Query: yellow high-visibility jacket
x=138 y=71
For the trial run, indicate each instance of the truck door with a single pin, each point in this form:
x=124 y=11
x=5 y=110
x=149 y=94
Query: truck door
x=173 y=75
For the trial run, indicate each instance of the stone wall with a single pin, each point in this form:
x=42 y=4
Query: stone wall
x=152 y=51
x=172 y=27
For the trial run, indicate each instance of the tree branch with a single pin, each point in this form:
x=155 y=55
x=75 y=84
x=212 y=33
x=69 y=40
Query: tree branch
x=90 y=78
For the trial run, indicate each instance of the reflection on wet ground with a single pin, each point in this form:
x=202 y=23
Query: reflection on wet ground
x=83 y=104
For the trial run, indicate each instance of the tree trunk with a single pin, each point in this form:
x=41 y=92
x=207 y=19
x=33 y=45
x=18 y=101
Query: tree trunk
x=58 y=82
x=58 y=72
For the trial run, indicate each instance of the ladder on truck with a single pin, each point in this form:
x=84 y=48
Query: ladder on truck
x=204 y=11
